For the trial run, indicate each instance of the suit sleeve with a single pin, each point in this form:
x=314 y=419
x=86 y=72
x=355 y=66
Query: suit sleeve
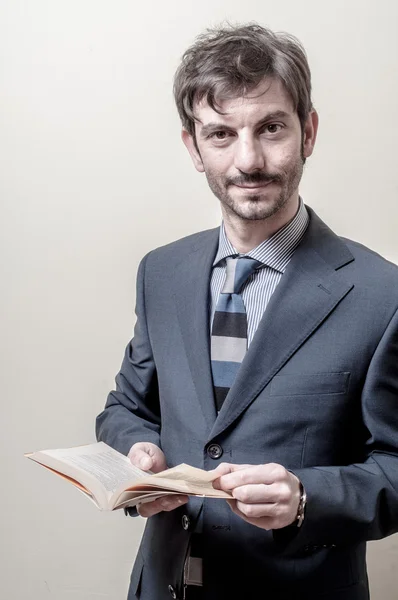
x=359 y=502
x=131 y=413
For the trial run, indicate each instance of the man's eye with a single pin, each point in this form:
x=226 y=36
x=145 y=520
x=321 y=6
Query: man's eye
x=219 y=135
x=273 y=128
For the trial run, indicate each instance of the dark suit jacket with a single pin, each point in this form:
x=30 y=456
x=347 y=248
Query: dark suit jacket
x=317 y=392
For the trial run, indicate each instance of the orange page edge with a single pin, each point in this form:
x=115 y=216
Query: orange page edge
x=66 y=477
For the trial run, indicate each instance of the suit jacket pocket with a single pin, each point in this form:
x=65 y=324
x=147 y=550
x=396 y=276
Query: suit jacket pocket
x=310 y=384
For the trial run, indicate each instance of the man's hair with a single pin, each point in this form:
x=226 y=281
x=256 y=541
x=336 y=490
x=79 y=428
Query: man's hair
x=229 y=62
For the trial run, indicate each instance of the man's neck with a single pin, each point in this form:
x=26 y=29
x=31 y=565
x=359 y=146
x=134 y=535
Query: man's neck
x=245 y=234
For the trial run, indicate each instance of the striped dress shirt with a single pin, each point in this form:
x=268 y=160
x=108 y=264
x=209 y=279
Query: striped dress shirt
x=275 y=254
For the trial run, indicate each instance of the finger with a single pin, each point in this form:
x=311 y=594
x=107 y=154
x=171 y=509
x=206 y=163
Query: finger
x=266 y=474
x=261 y=493
x=267 y=519
x=266 y=523
x=221 y=469
x=257 y=511
x=147 y=456
x=141 y=459
x=149 y=509
x=165 y=504
x=224 y=469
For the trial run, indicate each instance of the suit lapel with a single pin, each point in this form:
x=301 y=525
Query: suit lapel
x=192 y=303
x=309 y=291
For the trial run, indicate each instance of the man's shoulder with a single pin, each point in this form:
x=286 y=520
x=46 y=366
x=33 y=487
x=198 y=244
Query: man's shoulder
x=369 y=260
x=178 y=249
x=357 y=258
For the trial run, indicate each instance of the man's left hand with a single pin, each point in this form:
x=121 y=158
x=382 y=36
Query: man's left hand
x=267 y=496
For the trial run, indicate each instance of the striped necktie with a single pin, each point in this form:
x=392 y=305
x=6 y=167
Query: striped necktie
x=229 y=330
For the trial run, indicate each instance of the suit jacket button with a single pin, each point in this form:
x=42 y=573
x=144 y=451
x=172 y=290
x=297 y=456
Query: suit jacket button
x=185 y=522
x=214 y=451
x=172 y=592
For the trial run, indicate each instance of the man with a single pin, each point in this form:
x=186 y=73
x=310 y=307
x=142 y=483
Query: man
x=266 y=349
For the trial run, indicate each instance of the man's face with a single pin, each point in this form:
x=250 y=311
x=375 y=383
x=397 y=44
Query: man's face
x=252 y=155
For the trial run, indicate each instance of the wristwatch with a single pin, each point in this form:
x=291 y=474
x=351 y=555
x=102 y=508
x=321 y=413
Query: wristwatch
x=301 y=506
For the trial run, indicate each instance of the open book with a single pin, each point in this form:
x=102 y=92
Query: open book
x=110 y=480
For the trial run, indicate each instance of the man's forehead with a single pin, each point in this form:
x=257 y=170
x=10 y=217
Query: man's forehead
x=269 y=96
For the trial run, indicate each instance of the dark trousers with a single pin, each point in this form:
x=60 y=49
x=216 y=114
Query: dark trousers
x=193 y=592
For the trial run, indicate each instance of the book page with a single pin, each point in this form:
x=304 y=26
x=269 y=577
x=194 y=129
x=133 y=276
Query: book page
x=105 y=464
x=70 y=479
x=132 y=498
x=187 y=480
x=188 y=473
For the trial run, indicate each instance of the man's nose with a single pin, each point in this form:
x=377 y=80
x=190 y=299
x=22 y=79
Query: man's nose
x=249 y=156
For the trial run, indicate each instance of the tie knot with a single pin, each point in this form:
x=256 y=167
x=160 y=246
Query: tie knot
x=238 y=272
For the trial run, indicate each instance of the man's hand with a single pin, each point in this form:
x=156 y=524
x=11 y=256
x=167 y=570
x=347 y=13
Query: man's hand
x=267 y=496
x=148 y=457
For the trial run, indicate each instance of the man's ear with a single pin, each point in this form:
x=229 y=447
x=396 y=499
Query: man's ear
x=310 y=131
x=189 y=142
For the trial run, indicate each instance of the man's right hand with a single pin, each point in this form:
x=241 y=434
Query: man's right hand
x=148 y=457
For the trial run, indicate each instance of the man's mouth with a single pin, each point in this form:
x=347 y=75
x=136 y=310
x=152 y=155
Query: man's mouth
x=251 y=186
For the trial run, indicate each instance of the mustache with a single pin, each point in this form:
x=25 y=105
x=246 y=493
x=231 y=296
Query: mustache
x=252 y=178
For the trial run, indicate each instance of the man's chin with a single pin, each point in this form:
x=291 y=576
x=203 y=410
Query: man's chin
x=255 y=209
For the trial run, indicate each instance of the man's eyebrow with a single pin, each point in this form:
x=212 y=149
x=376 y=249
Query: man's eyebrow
x=214 y=126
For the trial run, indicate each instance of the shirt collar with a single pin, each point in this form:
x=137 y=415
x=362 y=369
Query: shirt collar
x=276 y=251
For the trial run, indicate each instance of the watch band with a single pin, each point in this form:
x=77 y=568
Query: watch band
x=301 y=507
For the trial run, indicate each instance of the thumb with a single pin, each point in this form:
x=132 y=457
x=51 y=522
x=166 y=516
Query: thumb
x=148 y=457
x=224 y=469
x=221 y=469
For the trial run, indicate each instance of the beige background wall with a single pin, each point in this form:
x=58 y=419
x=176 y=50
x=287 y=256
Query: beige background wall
x=93 y=175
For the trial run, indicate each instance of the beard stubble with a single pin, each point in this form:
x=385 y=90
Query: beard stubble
x=250 y=207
